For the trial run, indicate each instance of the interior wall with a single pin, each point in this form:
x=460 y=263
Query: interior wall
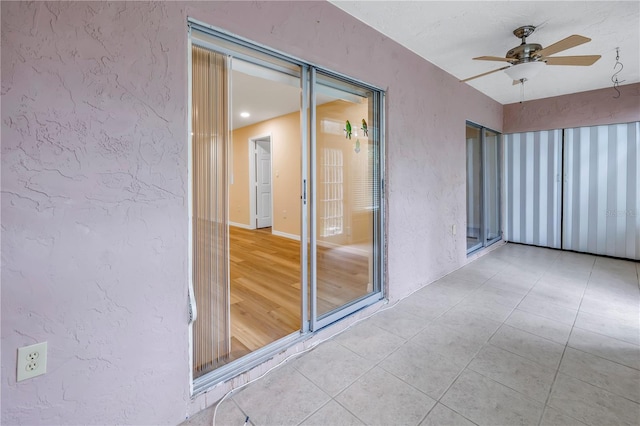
x=95 y=188
x=286 y=158
x=285 y=172
x=592 y=108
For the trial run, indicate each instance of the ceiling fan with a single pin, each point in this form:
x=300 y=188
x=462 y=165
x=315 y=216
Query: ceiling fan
x=528 y=59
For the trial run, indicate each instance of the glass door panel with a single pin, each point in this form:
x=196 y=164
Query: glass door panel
x=345 y=164
x=474 y=189
x=245 y=169
x=491 y=186
x=264 y=206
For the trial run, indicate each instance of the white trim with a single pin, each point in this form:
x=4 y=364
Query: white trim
x=240 y=225
x=285 y=235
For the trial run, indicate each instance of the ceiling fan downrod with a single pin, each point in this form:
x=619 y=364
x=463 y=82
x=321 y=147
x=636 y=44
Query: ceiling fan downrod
x=525 y=51
x=523 y=32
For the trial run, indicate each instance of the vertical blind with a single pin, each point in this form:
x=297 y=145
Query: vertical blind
x=601 y=201
x=533 y=187
x=210 y=131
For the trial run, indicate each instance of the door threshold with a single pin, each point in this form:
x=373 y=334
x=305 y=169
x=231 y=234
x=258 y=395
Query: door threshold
x=246 y=363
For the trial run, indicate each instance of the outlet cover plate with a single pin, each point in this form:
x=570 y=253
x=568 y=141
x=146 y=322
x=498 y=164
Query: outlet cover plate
x=32 y=361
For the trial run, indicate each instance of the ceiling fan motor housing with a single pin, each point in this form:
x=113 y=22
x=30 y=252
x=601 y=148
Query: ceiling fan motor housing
x=524 y=53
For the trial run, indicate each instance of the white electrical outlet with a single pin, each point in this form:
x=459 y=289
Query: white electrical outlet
x=32 y=361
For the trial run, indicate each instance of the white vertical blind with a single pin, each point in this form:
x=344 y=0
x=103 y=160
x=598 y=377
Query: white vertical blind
x=211 y=329
x=533 y=187
x=601 y=194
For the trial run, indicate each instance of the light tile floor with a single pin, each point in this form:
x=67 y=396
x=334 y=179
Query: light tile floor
x=523 y=335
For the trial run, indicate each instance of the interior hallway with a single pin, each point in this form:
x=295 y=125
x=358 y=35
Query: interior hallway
x=265 y=285
x=523 y=335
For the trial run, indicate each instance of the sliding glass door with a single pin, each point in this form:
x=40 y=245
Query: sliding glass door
x=483 y=187
x=285 y=198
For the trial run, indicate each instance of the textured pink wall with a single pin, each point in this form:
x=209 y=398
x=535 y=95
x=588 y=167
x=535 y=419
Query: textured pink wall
x=592 y=108
x=94 y=188
x=94 y=214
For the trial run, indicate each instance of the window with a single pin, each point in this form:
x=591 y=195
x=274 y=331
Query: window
x=331 y=175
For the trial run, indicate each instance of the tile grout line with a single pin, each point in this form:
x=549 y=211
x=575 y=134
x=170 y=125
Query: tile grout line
x=423 y=328
x=602 y=357
x=594 y=355
x=467 y=296
x=377 y=364
x=438 y=401
x=564 y=350
x=333 y=398
x=481 y=348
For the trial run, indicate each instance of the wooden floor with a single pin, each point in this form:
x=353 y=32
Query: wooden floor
x=265 y=286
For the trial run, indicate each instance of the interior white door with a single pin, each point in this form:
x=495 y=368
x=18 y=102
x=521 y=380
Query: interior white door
x=263 y=183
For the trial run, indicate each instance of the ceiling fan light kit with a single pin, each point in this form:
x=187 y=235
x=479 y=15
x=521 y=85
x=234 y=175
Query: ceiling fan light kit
x=525 y=70
x=528 y=59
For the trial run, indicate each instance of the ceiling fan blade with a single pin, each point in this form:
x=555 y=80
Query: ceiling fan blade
x=564 y=44
x=585 y=60
x=492 y=58
x=483 y=74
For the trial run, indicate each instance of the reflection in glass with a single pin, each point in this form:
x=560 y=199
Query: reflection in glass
x=347 y=205
x=474 y=188
x=492 y=188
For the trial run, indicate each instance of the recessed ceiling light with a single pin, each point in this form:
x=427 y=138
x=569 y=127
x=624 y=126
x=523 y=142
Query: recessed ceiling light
x=244 y=114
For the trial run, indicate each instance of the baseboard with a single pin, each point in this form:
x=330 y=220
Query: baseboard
x=240 y=225
x=285 y=235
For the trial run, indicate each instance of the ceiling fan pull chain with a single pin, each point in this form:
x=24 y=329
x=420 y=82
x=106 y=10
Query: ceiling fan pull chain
x=614 y=77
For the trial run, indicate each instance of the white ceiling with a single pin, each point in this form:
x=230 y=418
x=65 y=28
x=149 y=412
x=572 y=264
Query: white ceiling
x=264 y=93
x=450 y=33
x=262 y=98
